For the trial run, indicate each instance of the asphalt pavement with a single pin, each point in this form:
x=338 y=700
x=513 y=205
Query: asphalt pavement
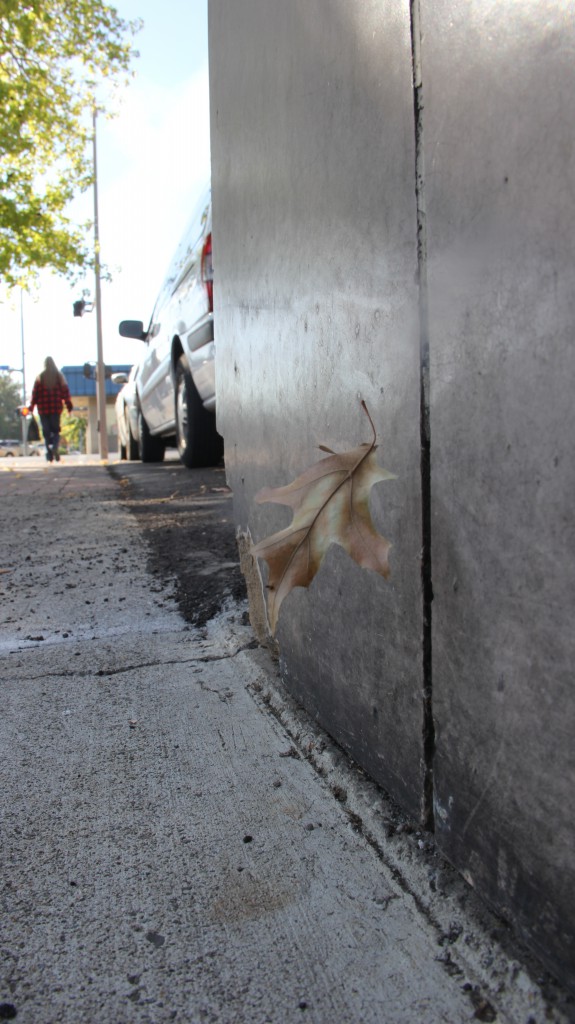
x=179 y=842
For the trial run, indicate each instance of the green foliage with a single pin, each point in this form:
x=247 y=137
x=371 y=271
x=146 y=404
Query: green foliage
x=73 y=431
x=54 y=56
x=10 y=399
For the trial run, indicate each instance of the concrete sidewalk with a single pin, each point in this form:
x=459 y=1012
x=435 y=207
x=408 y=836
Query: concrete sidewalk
x=179 y=843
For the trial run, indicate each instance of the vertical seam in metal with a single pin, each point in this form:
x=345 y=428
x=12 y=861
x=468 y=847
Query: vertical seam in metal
x=427 y=815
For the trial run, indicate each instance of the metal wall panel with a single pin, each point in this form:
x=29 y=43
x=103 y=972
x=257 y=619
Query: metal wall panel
x=316 y=307
x=498 y=81
x=358 y=225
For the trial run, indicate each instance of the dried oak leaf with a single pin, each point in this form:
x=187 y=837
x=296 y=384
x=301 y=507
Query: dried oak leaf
x=330 y=504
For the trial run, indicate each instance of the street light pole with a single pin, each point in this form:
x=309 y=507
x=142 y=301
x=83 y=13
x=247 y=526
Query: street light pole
x=101 y=372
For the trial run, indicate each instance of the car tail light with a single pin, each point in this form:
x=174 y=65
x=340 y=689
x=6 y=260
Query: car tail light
x=208 y=271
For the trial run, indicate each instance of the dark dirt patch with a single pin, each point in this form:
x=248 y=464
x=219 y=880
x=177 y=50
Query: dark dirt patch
x=186 y=519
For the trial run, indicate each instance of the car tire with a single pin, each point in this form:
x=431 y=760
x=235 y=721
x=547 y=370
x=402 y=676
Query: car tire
x=132 y=452
x=198 y=441
x=133 y=446
x=151 y=448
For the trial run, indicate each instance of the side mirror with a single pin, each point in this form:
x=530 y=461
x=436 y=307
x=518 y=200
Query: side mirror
x=119 y=378
x=132 y=329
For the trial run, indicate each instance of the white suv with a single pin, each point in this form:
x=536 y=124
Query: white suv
x=175 y=387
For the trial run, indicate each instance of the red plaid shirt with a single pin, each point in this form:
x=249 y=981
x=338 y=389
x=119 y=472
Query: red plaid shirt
x=50 y=400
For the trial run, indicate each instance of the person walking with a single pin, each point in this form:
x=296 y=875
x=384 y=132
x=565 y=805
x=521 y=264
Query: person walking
x=50 y=393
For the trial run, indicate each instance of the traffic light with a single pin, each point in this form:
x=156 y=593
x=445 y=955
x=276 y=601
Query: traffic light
x=80 y=306
x=30 y=431
x=90 y=371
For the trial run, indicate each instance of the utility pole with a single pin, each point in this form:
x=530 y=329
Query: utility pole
x=101 y=371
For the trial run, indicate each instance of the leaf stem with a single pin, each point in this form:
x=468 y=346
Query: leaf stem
x=366 y=411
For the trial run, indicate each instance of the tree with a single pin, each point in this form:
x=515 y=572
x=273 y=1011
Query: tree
x=73 y=430
x=55 y=57
x=10 y=399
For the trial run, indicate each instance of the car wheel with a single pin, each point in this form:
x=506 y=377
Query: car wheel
x=132 y=445
x=151 y=448
x=199 y=443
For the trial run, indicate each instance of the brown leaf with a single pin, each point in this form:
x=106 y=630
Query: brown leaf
x=330 y=504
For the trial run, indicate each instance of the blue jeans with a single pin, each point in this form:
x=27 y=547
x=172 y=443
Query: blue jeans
x=51 y=431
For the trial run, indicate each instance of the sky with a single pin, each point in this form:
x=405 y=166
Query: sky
x=153 y=159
